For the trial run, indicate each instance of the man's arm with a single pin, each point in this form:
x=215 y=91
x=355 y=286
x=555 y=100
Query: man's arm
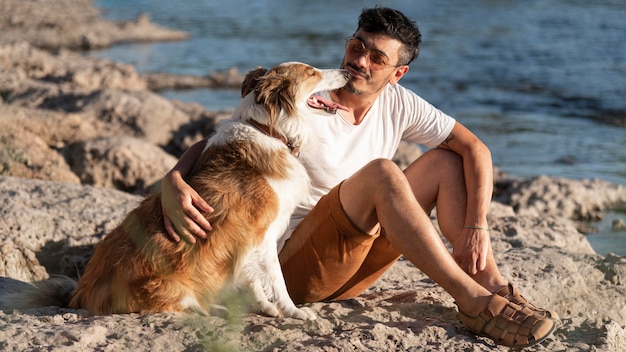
x=471 y=248
x=182 y=205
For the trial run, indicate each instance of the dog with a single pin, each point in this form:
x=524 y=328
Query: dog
x=249 y=173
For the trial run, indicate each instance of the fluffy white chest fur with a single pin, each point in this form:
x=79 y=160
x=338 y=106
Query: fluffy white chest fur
x=259 y=268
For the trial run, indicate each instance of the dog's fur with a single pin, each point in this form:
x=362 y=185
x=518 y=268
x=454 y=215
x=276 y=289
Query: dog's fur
x=252 y=178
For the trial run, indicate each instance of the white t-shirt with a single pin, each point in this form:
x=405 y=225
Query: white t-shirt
x=341 y=148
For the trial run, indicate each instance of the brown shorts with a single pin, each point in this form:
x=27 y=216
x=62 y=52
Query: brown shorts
x=327 y=257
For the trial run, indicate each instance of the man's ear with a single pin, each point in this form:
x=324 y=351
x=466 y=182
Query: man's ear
x=399 y=73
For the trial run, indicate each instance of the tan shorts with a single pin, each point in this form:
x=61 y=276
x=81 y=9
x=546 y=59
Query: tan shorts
x=327 y=257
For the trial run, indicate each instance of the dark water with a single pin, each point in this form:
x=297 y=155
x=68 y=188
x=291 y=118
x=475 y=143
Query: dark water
x=543 y=83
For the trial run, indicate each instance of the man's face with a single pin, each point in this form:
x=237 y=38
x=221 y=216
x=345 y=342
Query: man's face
x=372 y=60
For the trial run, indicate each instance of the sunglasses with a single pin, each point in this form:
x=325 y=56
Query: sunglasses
x=378 y=59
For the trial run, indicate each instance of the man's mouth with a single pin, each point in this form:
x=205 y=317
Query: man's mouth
x=317 y=102
x=355 y=71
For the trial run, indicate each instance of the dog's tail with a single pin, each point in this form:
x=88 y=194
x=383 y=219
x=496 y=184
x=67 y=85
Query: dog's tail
x=56 y=291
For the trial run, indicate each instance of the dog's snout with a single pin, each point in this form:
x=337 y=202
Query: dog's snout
x=346 y=74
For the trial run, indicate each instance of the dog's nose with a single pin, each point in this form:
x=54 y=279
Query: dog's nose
x=346 y=74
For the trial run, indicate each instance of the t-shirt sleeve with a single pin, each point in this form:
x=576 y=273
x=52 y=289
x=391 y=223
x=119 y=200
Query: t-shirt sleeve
x=425 y=124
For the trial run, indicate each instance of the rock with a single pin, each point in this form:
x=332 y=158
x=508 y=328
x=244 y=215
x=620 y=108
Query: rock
x=575 y=199
x=618 y=225
x=162 y=81
x=614 y=269
x=20 y=264
x=24 y=154
x=73 y=24
x=67 y=67
x=202 y=124
x=123 y=163
x=51 y=102
x=141 y=114
x=51 y=218
x=56 y=129
x=524 y=231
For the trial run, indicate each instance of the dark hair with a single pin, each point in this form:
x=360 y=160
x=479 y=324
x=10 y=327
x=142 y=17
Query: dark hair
x=393 y=23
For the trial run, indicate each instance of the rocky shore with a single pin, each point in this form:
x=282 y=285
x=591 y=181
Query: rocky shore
x=83 y=140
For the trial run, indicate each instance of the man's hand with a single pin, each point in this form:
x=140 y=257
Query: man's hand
x=182 y=209
x=470 y=250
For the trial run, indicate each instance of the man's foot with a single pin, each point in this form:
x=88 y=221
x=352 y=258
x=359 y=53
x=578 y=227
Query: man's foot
x=509 y=324
x=511 y=293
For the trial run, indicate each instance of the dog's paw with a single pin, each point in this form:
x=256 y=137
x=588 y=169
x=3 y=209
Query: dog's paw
x=269 y=309
x=303 y=313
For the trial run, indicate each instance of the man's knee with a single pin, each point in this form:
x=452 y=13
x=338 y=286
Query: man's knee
x=383 y=171
x=372 y=186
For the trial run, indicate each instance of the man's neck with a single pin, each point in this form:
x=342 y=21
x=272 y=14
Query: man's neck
x=358 y=105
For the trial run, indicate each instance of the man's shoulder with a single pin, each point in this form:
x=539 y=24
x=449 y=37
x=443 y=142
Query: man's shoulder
x=399 y=90
x=400 y=94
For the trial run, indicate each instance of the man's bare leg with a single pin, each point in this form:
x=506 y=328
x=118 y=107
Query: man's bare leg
x=437 y=179
x=381 y=193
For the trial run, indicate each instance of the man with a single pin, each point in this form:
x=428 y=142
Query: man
x=365 y=212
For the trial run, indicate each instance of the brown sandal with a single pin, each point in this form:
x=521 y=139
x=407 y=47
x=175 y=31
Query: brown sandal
x=511 y=293
x=509 y=324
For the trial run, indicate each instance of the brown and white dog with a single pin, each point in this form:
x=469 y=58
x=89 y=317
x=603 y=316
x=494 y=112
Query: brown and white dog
x=250 y=174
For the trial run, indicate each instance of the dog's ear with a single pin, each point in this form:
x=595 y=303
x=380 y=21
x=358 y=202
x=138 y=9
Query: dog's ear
x=276 y=92
x=251 y=80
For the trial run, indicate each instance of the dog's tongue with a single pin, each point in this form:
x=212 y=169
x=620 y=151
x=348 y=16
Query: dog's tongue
x=317 y=102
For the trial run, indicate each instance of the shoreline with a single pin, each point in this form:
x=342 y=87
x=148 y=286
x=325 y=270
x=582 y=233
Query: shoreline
x=84 y=139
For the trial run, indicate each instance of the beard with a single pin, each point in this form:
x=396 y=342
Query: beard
x=349 y=87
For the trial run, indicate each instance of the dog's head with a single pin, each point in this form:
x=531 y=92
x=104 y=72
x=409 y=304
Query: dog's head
x=287 y=89
x=281 y=96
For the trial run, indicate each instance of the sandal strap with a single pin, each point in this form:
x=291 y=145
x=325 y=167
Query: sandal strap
x=509 y=324
x=511 y=293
